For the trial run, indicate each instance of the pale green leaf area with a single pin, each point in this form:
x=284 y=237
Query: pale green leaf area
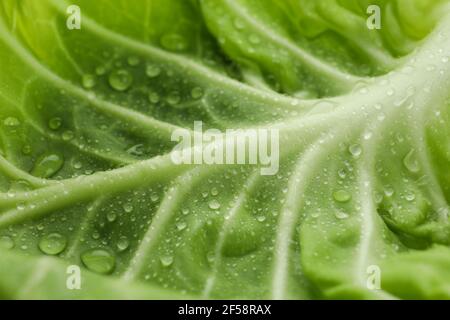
x=86 y=178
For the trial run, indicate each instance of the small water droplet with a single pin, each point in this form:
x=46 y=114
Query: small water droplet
x=54 y=123
x=152 y=71
x=181 y=225
x=123 y=243
x=355 y=150
x=238 y=24
x=99 y=260
x=197 y=93
x=128 y=207
x=214 y=191
x=133 y=61
x=411 y=163
x=341 y=215
x=410 y=196
x=53 y=243
x=111 y=216
x=153 y=97
x=100 y=70
x=214 y=204
x=26 y=149
x=173 y=98
x=67 y=135
x=6 y=242
x=47 y=165
x=11 y=122
x=388 y=191
x=174 y=42
x=120 y=79
x=261 y=218
x=88 y=81
x=342 y=196
x=166 y=261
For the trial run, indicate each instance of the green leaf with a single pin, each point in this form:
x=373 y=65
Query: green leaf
x=87 y=179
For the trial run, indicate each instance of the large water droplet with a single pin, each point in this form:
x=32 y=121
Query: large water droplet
x=47 y=165
x=411 y=163
x=6 y=242
x=120 y=80
x=53 y=243
x=342 y=196
x=99 y=260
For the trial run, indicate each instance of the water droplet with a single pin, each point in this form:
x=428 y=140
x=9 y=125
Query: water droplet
x=389 y=192
x=11 y=122
x=136 y=150
x=123 y=243
x=67 y=135
x=238 y=24
x=88 y=81
x=47 y=165
x=174 y=42
x=214 y=191
x=342 y=196
x=185 y=211
x=173 y=98
x=153 y=97
x=54 y=123
x=355 y=150
x=341 y=215
x=100 y=70
x=410 y=196
x=390 y=92
x=53 y=243
x=214 y=204
x=166 y=261
x=411 y=163
x=181 y=225
x=197 y=93
x=6 y=242
x=152 y=71
x=128 y=207
x=26 y=149
x=133 y=61
x=111 y=216
x=261 y=218
x=99 y=260
x=120 y=80
x=154 y=197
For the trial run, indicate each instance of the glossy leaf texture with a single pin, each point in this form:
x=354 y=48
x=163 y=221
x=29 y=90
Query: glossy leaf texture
x=86 y=178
